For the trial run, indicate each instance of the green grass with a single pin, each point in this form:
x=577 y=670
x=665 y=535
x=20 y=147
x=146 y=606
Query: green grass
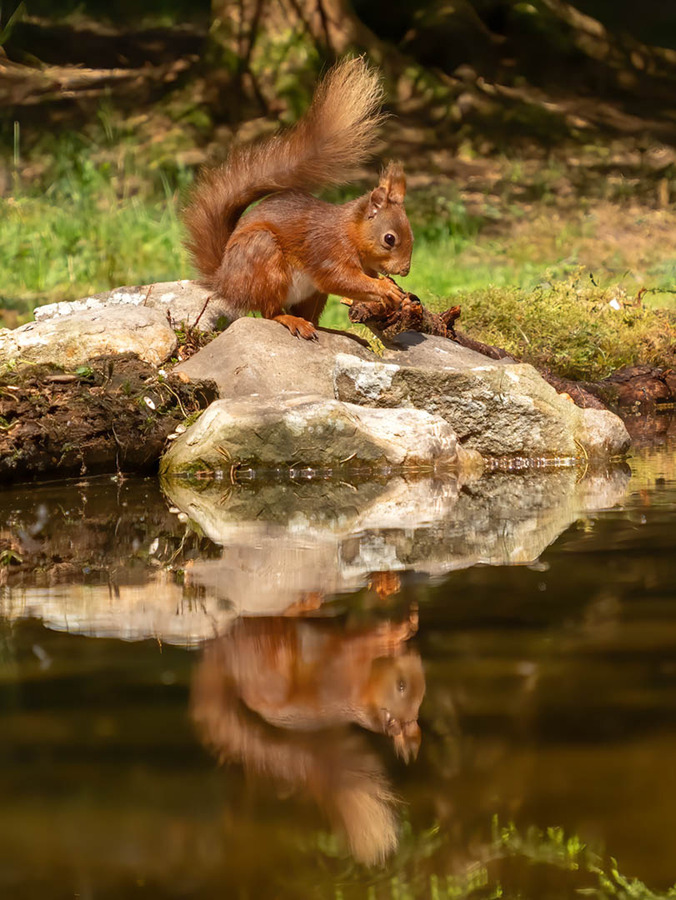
x=91 y=229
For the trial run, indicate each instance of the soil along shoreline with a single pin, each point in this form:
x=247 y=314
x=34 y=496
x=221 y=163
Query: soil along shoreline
x=112 y=414
x=103 y=385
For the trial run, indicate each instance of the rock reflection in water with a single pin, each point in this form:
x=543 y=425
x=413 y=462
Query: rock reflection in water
x=279 y=696
x=283 y=540
x=112 y=561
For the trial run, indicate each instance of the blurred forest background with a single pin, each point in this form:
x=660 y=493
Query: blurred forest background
x=539 y=138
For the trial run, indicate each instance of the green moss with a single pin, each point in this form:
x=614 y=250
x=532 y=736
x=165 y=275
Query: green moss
x=572 y=327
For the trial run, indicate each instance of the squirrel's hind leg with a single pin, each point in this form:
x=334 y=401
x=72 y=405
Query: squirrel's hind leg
x=305 y=323
x=255 y=276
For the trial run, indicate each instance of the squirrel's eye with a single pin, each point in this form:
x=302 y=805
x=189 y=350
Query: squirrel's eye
x=401 y=687
x=390 y=239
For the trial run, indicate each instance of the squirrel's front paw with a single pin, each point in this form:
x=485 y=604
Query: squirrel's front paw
x=392 y=293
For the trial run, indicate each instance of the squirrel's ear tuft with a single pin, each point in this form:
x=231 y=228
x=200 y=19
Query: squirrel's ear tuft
x=377 y=200
x=393 y=181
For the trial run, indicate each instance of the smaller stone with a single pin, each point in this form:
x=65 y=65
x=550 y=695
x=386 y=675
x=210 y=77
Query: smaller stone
x=187 y=302
x=602 y=434
x=71 y=341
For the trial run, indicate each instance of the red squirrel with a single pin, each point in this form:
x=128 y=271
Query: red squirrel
x=278 y=696
x=307 y=675
x=292 y=250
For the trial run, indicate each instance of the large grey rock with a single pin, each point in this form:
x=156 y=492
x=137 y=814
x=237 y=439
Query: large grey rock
x=187 y=302
x=427 y=351
x=261 y=358
x=310 y=432
x=70 y=341
x=600 y=433
x=497 y=408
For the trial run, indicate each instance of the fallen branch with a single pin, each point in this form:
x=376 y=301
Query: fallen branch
x=387 y=320
x=28 y=86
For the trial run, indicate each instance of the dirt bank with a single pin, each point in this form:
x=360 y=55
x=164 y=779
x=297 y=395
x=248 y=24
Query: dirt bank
x=114 y=413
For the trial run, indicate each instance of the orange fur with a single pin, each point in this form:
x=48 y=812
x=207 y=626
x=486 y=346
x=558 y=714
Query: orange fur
x=305 y=674
x=283 y=257
x=279 y=695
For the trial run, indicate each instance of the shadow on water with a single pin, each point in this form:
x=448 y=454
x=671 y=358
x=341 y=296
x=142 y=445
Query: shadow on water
x=389 y=673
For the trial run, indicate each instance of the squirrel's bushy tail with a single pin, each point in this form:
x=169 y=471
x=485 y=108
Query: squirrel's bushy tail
x=337 y=133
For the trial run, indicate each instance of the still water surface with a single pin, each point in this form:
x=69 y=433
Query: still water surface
x=352 y=690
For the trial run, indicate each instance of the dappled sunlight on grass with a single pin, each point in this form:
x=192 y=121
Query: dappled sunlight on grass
x=87 y=226
x=67 y=245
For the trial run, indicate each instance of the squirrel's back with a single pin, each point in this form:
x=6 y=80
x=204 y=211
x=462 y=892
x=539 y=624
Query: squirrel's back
x=337 y=133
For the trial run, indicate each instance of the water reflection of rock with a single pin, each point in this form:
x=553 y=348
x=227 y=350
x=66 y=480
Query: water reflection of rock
x=283 y=541
x=111 y=560
x=278 y=696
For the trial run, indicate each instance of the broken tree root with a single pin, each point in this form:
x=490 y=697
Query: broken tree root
x=386 y=320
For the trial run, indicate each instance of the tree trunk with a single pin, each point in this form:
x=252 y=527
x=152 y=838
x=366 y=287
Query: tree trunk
x=257 y=42
x=332 y=25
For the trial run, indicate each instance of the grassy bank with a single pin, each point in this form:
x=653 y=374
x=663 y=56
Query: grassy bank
x=556 y=287
x=85 y=227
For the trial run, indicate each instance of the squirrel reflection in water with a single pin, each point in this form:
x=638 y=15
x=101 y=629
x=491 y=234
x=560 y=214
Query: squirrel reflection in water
x=278 y=696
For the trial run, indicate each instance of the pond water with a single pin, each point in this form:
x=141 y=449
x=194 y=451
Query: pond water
x=396 y=688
